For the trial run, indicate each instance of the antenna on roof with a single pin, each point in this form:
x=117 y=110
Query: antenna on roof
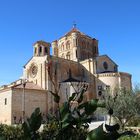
x=74 y=24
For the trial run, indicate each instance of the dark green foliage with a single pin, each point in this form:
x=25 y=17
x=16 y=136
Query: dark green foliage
x=90 y=106
x=50 y=129
x=97 y=134
x=137 y=137
x=10 y=132
x=84 y=89
x=31 y=126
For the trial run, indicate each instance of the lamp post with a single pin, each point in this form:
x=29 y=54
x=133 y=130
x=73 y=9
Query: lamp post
x=23 y=100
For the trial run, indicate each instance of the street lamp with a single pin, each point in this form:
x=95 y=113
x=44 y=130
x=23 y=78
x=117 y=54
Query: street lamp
x=23 y=100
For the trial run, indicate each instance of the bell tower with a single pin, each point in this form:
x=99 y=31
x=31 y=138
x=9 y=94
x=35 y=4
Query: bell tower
x=41 y=48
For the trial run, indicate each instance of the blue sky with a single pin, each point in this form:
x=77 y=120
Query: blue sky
x=115 y=23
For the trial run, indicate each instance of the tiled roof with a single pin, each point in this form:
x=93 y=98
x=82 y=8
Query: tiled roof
x=18 y=85
x=75 y=30
x=100 y=56
x=70 y=80
x=29 y=85
x=41 y=42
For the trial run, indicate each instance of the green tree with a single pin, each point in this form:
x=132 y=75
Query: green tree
x=122 y=106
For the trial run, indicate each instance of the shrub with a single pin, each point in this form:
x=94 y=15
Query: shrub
x=10 y=132
x=130 y=138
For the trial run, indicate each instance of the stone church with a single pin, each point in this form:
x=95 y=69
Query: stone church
x=74 y=61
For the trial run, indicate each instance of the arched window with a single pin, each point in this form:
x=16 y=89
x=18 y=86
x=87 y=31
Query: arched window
x=68 y=45
x=83 y=44
x=55 y=51
x=62 y=47
x=76 y=54
x=76 y=42
x=105 y=65
x=46 y=50
x=35 y=50
x=82 y=55
x=40 y=49
x=68 y=55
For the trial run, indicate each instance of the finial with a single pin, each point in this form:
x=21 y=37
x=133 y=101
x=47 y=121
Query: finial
x=74 y=25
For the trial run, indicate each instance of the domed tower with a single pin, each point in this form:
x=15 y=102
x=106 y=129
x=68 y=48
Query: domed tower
x=41 y=48
x=76 y=46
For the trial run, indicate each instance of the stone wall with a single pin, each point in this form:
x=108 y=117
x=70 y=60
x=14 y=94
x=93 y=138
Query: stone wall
x=33 y=99
x=126 y=80
x=5 y=106
x=111 y=79
x=111 y=66
x=114 y=80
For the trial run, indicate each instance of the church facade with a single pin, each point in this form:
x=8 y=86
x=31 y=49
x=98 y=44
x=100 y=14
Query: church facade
x=74 y=61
